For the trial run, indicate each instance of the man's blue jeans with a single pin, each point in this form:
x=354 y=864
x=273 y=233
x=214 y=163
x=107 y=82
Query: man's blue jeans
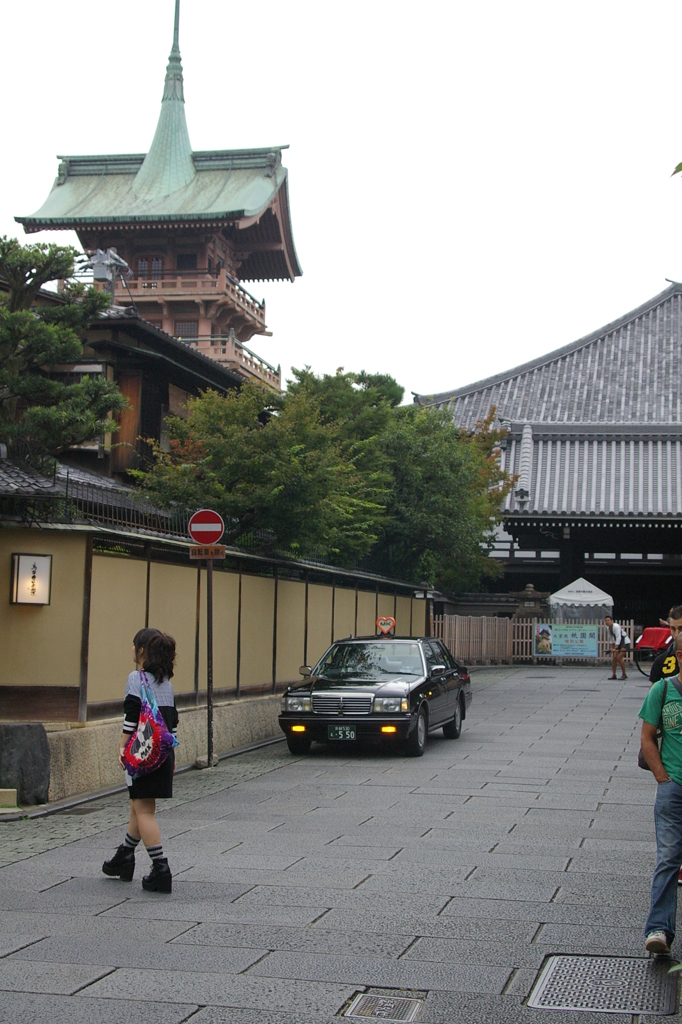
x=668 y=819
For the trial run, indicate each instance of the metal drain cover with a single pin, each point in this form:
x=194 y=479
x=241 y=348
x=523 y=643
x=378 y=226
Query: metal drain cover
x=607 y=984
x=373 y=1007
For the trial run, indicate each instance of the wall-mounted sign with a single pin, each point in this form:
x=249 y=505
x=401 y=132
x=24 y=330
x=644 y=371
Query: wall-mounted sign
x=31 y=579
x=562 y=640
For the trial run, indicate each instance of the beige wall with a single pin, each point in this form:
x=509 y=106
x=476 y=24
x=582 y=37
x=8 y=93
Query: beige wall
x=225 y=611
x=319 y=621
x=418 y=617
x=344 y=613
x=42 y=646
x=258 y=602
x=386 y=604
x=366 y=613
x=172 y=609
x=402 y=616
x=119 y=589
x=290 y=626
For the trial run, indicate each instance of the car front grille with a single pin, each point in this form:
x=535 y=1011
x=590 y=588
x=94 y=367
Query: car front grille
x=336 y=704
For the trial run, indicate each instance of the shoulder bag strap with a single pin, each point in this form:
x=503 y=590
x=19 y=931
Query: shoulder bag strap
x=676 y=683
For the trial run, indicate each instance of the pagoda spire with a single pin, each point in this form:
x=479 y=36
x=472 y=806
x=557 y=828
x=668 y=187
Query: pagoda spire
x=168 y=165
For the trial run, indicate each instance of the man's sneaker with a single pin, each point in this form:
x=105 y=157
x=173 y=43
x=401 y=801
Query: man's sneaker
x=657 y=942
x=679 y=877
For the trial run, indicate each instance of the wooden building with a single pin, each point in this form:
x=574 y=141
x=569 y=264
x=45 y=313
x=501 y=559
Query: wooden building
x=595 y=436
x=192 y=226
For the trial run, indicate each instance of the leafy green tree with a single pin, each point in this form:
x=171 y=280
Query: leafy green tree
x=444 y=502
x=272 y=468
x=50 y=414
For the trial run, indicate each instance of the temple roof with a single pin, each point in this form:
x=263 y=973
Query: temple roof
x=227 y=185
x=626 y=372
x=173 y=185
x=595 y=427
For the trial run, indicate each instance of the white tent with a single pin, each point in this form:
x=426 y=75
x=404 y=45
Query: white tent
x=580 y=601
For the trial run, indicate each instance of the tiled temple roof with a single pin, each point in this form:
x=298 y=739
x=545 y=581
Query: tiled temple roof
x=626 y=372
x=596 y=426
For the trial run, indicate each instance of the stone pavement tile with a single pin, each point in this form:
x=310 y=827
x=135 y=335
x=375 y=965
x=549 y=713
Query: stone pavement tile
x=616 y=940
x=427 y=854
x=568 y=802
x=444 y=882
x=22 y=1008
x=49 y=901
x=517 y=910
x=464 y=1008
x=277 y=995
x=382 y=972
x=511 y=953
x=20 y=876
x=62 y=979
x=310 y=940
x=361 y=854
x=606 y=895
x=97 y=929
x=182 y=890
x=360 y=900
x=631 y=864
x=154 y=955
x=11 y=943
x=168 y=910
x=595 y=845
x=230 y=1015
x=519 y=845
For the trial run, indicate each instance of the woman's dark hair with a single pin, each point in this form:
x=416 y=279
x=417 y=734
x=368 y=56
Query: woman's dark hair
x=159 y=652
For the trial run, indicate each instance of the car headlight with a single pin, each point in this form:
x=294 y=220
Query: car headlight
x=391 y=704
x=297 y=704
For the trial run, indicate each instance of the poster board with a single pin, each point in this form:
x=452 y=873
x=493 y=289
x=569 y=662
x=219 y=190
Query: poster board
x=563 y=640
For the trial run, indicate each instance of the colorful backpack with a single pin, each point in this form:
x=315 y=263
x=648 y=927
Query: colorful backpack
x=152 y=742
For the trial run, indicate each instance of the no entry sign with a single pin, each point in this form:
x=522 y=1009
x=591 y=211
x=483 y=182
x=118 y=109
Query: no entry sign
x=206 y=527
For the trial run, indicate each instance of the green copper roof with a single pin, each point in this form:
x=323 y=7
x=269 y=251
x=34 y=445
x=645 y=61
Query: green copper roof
x=168 y=165
x=103 y=190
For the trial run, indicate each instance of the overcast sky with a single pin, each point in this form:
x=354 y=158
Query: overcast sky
x=472 y=184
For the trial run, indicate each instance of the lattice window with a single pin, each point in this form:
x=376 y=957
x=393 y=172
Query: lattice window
x=142 y=267
x=187 y=261
x=157 y=268
x=186 y=328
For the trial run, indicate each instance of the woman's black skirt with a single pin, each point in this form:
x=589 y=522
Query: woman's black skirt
x=158 y=785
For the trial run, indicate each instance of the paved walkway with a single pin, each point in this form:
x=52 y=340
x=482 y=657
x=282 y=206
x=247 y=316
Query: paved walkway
x=299 y=882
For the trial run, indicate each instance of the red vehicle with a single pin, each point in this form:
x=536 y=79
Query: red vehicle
x=649 y=645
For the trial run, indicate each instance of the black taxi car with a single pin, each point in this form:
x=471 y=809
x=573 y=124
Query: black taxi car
x=381 y=687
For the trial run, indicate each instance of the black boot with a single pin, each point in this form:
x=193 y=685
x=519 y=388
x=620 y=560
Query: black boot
x=121 y=864
x=159 y=878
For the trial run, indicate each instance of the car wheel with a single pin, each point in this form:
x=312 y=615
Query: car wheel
x=453 y=730
x=416 y=741
x=298 y=744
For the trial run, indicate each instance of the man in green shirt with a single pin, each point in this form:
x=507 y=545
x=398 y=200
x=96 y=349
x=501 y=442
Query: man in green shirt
x=663 y=705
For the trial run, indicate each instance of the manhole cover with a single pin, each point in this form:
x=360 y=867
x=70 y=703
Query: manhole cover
x=374 y=1007
x=607 y=984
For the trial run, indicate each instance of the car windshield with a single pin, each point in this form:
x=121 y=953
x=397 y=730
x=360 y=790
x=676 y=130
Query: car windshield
x=371 y=661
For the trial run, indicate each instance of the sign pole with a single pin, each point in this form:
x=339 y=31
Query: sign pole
x=209 y=658
x=206 y=527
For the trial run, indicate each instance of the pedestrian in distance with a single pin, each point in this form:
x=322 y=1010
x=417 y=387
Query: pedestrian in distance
x=620 y=641
x=154 y=657
x=662 y=708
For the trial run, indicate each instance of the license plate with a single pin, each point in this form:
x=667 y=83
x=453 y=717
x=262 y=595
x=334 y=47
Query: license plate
x=341 y=732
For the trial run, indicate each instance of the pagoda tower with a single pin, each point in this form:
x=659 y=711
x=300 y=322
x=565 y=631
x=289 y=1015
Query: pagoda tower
x=192 y=226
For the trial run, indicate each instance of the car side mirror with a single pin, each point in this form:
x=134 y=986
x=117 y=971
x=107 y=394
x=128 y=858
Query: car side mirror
x=438 y=670
x=305 y=670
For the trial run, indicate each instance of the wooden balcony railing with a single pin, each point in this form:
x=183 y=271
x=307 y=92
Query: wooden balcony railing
x=168 y=283
x=227 y=350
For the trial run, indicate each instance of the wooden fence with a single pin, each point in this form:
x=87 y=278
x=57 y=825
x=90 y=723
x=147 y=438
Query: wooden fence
x=486 y=640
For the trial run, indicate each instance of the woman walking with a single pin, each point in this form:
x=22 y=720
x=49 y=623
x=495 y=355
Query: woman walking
x=662 y=708
x=154 y=656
